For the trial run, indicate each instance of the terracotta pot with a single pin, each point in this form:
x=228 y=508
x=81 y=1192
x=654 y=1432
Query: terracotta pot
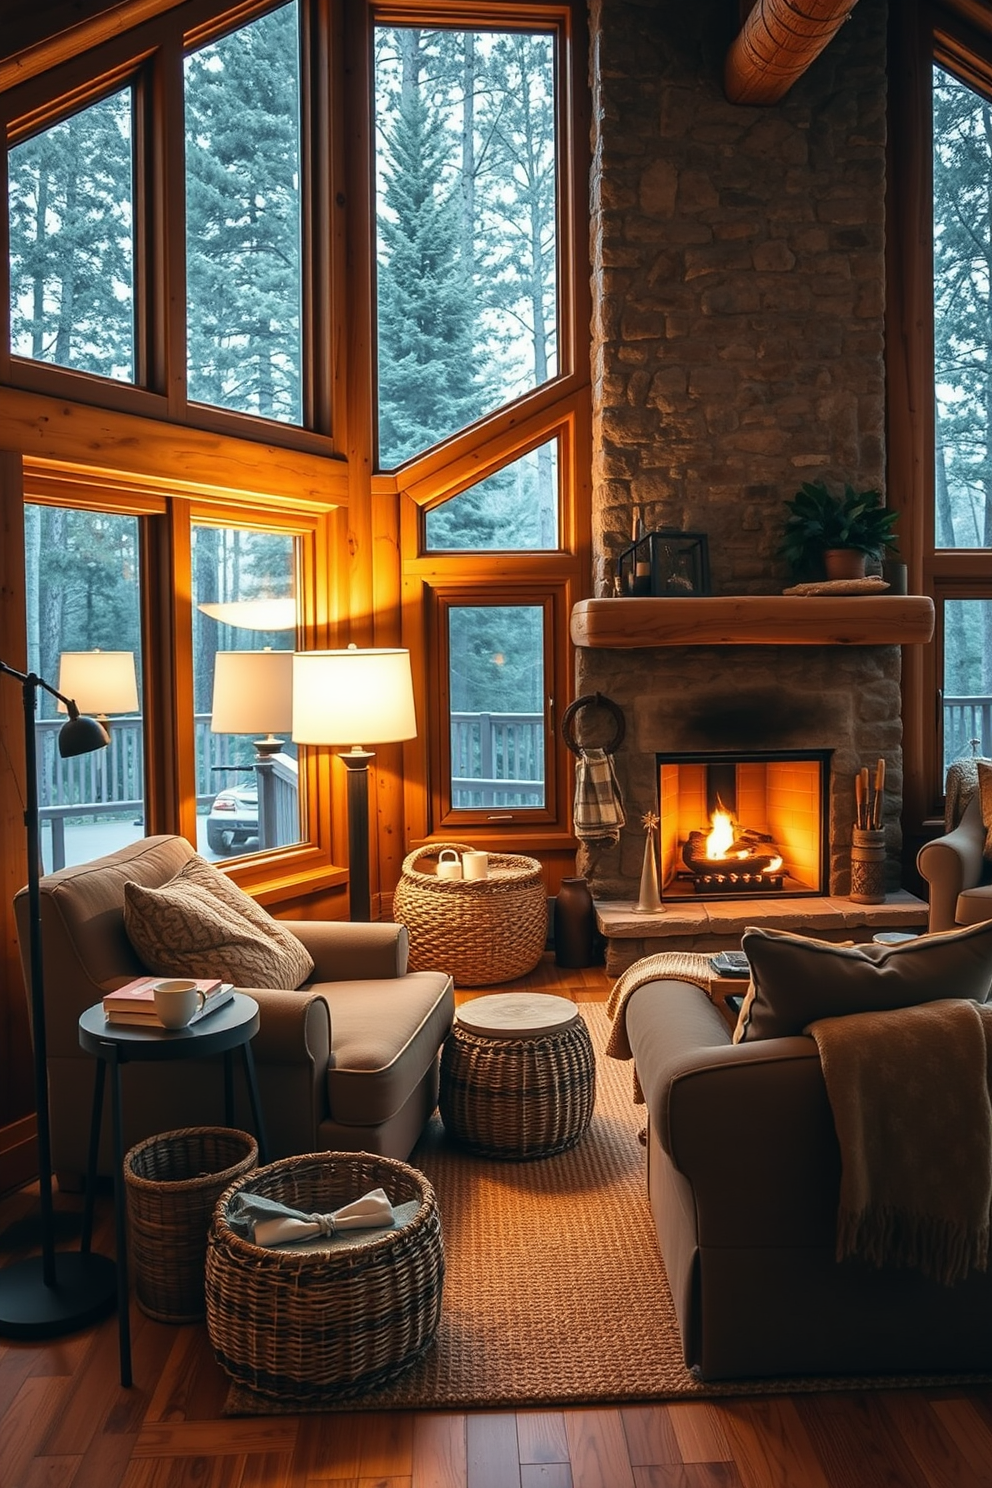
x=844 y=563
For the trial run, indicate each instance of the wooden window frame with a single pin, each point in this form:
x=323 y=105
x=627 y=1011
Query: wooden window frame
x=923 y=33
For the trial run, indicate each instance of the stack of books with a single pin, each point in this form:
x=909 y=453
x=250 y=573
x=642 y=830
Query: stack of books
x=133 y=1004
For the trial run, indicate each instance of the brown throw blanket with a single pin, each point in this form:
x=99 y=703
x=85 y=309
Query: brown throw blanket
x=910 y=1095
x=679 y=966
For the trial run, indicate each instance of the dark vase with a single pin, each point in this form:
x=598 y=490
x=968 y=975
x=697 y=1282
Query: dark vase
x=575 y=924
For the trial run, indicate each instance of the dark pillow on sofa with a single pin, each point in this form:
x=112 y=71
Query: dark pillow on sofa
x=795 y=980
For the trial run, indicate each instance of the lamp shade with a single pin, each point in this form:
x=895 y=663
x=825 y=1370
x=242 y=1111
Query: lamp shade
x=99 y=681
x=253 y=692
x=353 y=697
x=253 y=614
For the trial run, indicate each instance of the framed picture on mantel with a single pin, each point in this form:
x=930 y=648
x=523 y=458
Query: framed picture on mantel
x=667 y=562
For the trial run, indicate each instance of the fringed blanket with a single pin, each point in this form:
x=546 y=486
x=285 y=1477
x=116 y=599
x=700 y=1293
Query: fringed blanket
x=679 y=966
x=960 y=786
x=910 y=1095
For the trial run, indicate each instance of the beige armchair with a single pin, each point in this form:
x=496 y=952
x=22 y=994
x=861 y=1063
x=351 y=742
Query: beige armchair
x=955 y=869
x=348 y=1062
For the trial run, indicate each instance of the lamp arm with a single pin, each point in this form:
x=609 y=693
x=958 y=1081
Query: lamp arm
x=33 y=680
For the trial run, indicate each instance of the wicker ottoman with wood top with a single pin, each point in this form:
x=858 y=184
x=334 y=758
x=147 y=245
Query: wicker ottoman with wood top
x=518 y=1075
x=302 y=1325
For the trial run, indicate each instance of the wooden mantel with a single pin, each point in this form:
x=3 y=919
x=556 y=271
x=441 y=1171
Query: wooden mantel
x=755 y=620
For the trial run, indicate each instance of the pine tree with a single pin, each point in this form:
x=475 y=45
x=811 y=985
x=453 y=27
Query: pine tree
x=428 y=387
x=71 y=250
x=243 y=219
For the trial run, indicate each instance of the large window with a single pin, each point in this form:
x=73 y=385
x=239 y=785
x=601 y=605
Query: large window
x=71 y=248
x=247 y=771
x=962 y=508
x=243 y=263
x=467 y=231
x=84 y=636
x=284 y=257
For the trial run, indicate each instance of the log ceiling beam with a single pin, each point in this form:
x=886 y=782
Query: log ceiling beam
x=777 y=42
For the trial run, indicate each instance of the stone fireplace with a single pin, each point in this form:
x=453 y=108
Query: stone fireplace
x=738 y=278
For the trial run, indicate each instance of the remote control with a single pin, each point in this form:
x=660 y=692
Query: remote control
x=731 y=963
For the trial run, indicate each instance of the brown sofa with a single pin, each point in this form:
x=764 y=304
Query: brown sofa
x=955 y=869
x=347 y=1062
x=743 y=1178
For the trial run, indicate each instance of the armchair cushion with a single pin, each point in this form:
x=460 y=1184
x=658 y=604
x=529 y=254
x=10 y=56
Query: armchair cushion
x=796 y=980
x=200 y=924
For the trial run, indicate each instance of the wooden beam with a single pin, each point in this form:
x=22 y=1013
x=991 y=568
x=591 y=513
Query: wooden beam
x=755 y=620
x=777 y=43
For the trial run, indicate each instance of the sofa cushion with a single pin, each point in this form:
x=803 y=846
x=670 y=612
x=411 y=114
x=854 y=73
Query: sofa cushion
x=795 y=980
x=974 y=905
x=384 y=1037
x=200 y=924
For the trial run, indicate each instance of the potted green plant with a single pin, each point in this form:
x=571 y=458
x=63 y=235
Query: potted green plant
x=833 y=535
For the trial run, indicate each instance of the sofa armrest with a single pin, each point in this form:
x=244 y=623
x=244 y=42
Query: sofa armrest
x=292 y=1050
x=951 y=864
x=748 y=1125
x=350 y=951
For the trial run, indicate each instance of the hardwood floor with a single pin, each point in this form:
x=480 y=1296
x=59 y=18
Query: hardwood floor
x=65 y=1422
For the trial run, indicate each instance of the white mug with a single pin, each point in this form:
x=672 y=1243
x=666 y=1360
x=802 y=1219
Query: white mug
x=448 y=864
x=475 y=864
x=177 y=1001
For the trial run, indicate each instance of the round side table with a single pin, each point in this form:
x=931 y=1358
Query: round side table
x=518 y=1075
x=229 y=1027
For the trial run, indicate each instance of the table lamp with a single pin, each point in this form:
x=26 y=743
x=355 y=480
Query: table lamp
x=343 y=696
x=253 y=694
x=100 y=682
x=49 y=1295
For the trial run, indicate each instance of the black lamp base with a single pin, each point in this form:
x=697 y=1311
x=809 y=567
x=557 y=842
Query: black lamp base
x=85 y=1290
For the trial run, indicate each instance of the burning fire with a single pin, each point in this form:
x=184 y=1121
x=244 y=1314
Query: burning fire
x=721 y=836
x=721 y=839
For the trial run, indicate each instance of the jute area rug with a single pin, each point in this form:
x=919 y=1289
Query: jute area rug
x=555 y=1293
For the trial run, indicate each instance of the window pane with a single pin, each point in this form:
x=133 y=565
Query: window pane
x=515 y=508
x=247 y=793
x=84 y=637
x=243 y=219
x=962 y=314
x=496 y=687
x=967 y=679
x=467 y=233
x=71 y=247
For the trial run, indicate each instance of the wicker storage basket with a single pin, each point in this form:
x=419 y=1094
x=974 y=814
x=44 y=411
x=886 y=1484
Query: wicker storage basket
x=172 y=1182
x=302 y=1326
x=518 y=1097
x=481 y=931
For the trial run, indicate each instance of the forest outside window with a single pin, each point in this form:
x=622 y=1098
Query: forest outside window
x=71 y=245
x=466 y=220
x=82 y=581
x=498 y=670
x=243 y=246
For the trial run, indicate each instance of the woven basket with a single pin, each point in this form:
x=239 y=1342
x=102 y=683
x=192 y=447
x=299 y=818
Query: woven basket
x=481 y=931
x=299 y=1327
x=518 y=1097
x=172 y=1182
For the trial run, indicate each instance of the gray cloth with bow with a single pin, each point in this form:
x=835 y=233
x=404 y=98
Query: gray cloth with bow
x=266 y=1222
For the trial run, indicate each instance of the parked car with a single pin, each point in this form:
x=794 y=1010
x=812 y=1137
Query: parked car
x=233 y=818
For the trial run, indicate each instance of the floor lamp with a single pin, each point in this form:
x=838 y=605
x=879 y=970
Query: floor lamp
x=49 y=1295
x=341 y=696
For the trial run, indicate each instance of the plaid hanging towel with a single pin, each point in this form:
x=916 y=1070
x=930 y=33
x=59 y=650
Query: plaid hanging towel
x=598 y=813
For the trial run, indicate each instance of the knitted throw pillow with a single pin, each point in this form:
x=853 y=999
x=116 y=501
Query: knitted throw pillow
x=200 y=924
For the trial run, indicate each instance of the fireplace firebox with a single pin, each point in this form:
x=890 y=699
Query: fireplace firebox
x=744 y=824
